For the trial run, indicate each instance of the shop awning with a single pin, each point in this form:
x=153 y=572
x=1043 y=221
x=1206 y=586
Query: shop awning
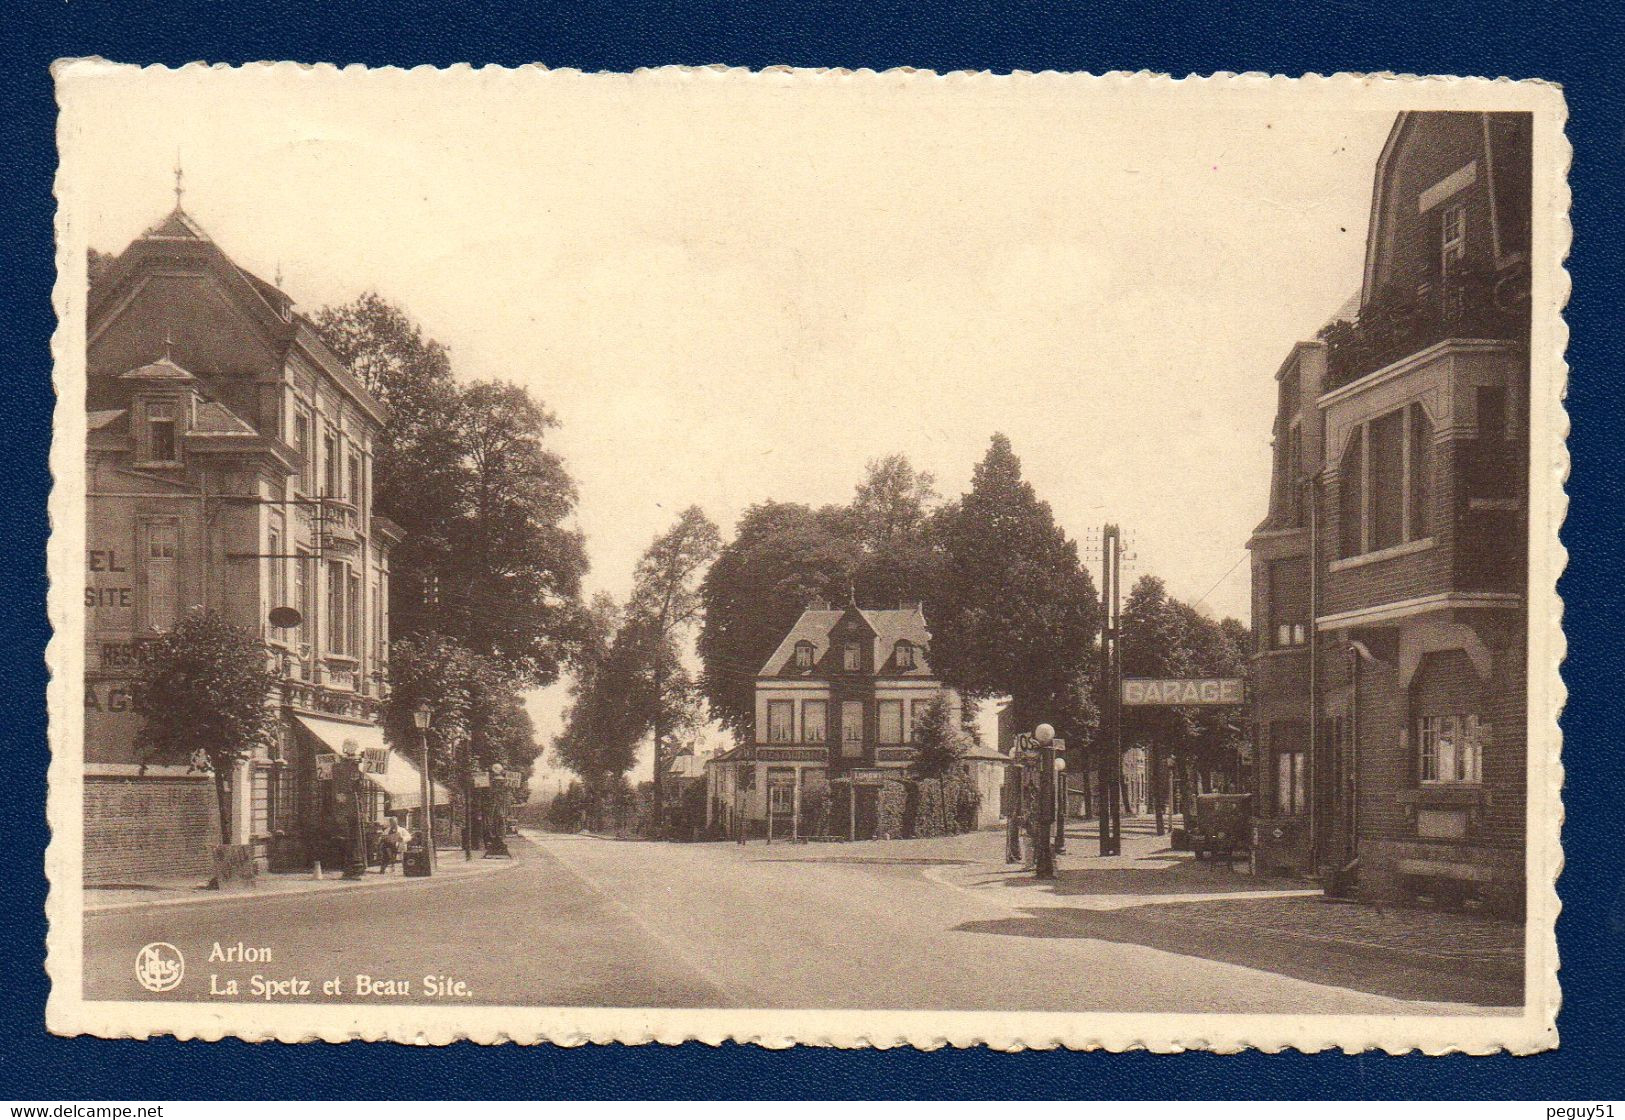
x=400 y=777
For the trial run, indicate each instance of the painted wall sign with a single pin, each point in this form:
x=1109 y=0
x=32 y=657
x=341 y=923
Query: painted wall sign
x=1211 y=690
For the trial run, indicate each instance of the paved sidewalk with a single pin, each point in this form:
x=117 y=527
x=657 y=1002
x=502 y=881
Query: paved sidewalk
x=1177 y=901
x=450 y=866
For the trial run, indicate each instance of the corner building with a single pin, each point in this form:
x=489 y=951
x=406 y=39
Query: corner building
x=229 y=458
x=1389 y=578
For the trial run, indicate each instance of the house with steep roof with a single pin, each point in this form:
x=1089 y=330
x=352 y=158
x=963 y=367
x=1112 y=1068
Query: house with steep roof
x=839 y=698
x=229 y=468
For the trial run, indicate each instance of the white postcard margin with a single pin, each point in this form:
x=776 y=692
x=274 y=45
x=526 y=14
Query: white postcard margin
x=1522 y=1032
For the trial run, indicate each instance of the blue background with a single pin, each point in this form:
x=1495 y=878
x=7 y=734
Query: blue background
x=1577 y=45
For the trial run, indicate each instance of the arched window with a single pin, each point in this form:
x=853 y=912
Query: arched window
x=804 y=655
x=905 y=654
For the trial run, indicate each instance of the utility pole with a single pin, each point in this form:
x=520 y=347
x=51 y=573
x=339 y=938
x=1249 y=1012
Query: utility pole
x=1111 y=671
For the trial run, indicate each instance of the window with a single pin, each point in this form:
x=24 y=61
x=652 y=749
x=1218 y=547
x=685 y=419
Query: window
x=1289 y=602
x=304 y=450
x=781 y=795
x=1452 y=236
x=1289 y=739
x=279 y=569
x=379 y=645
x=352 y=616
x=159 y=575
x=1451 y=748
x=814 y=721
x=804 y=655
x=905 y=654
x=335 y=608
x=1351 y=496
x=889 y=721
x=1421 y=473
x=1385 y=467
x=305 y=594
x=1291 y=793
x=330 y=466
x=781 y=721
x=1385 y=482
x=162 y=444
x=851 y=659
x=354 y=493
x=851 y=728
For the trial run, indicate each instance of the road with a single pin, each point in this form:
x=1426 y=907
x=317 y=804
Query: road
x=580 y=921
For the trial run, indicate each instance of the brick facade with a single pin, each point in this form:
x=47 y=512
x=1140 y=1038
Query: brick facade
x=1417 y=514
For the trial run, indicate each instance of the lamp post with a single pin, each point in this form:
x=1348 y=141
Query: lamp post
x=1043 y=848
x=422 y=716
x=1060 y=804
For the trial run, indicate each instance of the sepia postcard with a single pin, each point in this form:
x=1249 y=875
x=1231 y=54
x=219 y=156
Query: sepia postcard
x=807 y=557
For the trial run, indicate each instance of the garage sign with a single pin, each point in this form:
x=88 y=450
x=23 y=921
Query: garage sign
x=1140 y=692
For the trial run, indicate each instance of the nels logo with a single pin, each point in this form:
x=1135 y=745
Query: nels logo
x=159 y=966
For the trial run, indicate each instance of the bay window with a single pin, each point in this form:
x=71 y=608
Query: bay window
x=1385 y=482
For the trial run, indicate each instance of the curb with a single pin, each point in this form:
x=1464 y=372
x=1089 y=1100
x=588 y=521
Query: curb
x=212 y=898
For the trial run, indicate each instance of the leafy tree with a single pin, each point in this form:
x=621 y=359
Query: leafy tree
x=938 y=743
x=512 y=586
x=488 y=556
x=204 y=690
x=437 y=670
x=1013 y=611
x=479 y=717
x=783 y=556
x=892 y=502
x=665 y=604
x=599 y=739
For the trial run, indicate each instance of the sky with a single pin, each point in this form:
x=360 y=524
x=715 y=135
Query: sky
x=733 y=288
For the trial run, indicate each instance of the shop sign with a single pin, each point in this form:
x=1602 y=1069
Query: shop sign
x=1209 y=690
x=375 y=760
x=324 y=766
x=482 y=779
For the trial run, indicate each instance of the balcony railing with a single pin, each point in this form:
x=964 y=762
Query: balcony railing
x=1471 y=301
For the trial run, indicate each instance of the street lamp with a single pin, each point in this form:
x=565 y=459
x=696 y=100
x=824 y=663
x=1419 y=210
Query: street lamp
x=1043 y=848
x=1060 y=804
x=422 y=716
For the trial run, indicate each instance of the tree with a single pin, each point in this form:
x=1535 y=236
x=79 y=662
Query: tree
x=488 y=557
x=1013 y=611
x=938 y=743
x=783 y=556
x=204 y=690
x=892 y=502
x=665 y=603
x=598 y=741
x=513 y=585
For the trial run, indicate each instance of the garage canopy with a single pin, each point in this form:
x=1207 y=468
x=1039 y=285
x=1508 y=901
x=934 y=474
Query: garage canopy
x=400 y=777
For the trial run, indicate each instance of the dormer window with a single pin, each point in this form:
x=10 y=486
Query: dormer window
x=804 y=655
x=851 y=657
x=905 y=654
x=163 y=435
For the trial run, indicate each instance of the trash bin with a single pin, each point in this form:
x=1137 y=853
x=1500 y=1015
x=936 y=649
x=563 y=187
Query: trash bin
x=415 y=860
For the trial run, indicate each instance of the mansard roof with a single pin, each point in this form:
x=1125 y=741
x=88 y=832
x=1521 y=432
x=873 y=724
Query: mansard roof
x=888 y=628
